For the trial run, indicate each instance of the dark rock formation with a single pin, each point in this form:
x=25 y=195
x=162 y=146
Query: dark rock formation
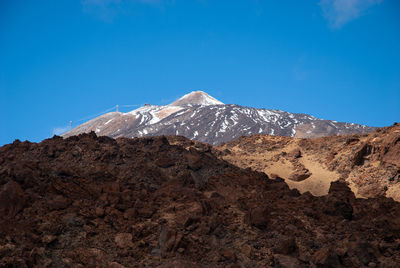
x=89 y=201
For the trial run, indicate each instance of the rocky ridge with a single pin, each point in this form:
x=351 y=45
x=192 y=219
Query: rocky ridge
x=89 y=201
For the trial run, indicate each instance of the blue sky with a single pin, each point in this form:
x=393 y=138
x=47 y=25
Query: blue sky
x=67 y=60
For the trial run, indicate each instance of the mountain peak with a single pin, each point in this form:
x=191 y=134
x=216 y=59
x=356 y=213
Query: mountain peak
x=196 y=98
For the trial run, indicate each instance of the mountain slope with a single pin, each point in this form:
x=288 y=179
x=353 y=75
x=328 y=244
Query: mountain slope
x=201 y=117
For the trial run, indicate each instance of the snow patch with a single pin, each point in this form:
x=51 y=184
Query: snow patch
x=106 y=123
x=197 y=98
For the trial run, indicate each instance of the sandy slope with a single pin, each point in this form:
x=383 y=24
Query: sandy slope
x=369 y=163
x=273 y=163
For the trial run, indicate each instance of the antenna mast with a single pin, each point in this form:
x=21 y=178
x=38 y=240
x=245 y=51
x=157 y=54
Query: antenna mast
x=117 y=108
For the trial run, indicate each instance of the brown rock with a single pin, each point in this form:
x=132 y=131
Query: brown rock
x=326 y=257
x=92 y=257
x=228 y=254
x=123 y=240
x=296 y=153
x=299 y=175
x=6 y=249
x=246 y=250
x=274 y=176
x=47 y=239
x=115 y=265
x=283 y=261
x=111 y=187
x=12 y=199
x=258 y=217
x=165 y=161
x=58 y=202
x=194 y=159
x=178 y=263
x=67 y=261
x=130 y=213
x=285 y=245
x=360 y=153
x=363 y=252
x=99 y=211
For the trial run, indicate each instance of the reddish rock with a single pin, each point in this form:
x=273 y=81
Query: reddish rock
x=111 y=187
x=99 y=212
x=124 y=209
x=165 y=161
x=258 y=217
x=296 y=153
x=115 y=265
x=91 y=257
x=283 y=261
x=299 y=176
x=58 y=202
x=194 y=159
x=130 y=213
x=360 y=153
x=246 y=250
x=228 y=254
x=123 y=240
x=179 y=263
x=12 y=199
x=285 y=245
x=326 y=257
x=47 y=239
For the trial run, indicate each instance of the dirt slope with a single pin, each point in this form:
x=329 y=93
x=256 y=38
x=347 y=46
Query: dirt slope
x=370 y=163
x=90 y=201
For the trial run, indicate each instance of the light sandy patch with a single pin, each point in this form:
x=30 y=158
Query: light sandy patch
x=320 y=180
x=281 y=168
x=393 y=191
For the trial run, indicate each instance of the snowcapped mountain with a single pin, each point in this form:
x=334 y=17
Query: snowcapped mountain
x=201 y=117
x=196 y=98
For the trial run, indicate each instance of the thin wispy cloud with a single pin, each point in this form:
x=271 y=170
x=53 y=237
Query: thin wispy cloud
x=340 y=12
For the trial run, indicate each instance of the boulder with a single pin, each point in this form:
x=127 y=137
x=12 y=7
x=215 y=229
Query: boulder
x=123 y=240
x=326 y=257
x=283 y=261
x=228 y=254
x=258 y=217
x=285 y=245
x=12 y=199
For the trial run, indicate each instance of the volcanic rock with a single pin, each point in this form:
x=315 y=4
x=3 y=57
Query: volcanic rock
x=123 y=240
x=326 y=257
x=258 y=217
x=117 y=206
x=285 y=245
x=12 y=199
x=283 y=261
